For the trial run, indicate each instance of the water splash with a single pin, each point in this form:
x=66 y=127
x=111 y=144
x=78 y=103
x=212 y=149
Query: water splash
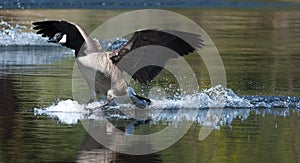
x=70 y=112
x=14 y=35
x=273 y=101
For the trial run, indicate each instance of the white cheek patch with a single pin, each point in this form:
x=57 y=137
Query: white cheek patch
x=63 y=39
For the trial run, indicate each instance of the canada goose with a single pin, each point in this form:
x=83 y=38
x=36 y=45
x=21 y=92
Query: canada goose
x=109 y=80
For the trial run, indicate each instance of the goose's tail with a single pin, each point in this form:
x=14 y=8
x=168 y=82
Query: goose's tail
x=137 y=100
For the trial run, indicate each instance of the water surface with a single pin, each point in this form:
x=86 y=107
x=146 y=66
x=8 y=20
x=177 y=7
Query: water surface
x=260 y=51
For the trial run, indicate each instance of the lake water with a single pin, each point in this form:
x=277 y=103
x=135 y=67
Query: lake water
x=260 y=50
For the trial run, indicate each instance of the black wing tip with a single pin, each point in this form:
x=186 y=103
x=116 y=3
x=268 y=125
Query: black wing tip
x=40 y=24
x=43 y=26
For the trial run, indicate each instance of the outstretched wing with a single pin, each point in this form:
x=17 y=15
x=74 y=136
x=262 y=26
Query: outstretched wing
x=160 y=46
x=76 y=37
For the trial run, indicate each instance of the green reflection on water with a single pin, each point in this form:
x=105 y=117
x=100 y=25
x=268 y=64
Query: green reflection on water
x=257 y=139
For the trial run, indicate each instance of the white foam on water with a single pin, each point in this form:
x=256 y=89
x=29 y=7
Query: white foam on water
x=70 y=111
x=217 y=96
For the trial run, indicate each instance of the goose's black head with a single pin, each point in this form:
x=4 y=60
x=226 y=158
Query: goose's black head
x=60 y=38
